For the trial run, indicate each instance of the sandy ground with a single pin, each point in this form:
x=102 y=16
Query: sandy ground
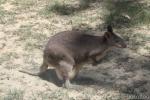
x=25 y=26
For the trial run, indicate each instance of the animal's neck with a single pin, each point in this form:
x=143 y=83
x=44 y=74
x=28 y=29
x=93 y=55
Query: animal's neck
x=105 y=47
x=104 y=43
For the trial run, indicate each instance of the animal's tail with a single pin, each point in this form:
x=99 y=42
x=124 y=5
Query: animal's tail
x=30 y=73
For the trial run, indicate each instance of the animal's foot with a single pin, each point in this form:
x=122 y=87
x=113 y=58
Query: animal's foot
x=73 y=86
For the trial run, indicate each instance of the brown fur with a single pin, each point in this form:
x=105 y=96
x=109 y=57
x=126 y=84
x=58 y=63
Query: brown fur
x=68 y=50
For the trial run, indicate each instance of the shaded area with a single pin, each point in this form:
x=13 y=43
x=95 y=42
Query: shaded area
x=126 y=79
x=146 y=65
x=125 y=13
x=50 y=76
x=120 y=13
x=130 y=72
x=81 y=79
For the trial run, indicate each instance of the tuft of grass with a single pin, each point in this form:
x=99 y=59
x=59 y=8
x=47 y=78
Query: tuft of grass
x=31 y=38
x=31 y=45
x=7 y=56
x=138 y=39
x=62 y=9
x=14 y=94
x=59 y=94
x=53 y=95
x=4 y=57
x=146 y=65
x=84 y=4
x=6 y=17
x=3 y=1
x=83 y=27
x=24 y=4
x=127 y=13
x=25 y=32
x=7 y=59
x=69 y=9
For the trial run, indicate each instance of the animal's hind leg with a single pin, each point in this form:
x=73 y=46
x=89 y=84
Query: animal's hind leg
x=44 y=66
x=64 y=69
x=63 y=72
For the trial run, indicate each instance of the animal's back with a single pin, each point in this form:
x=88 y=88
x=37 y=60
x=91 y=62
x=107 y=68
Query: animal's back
x=73 y=40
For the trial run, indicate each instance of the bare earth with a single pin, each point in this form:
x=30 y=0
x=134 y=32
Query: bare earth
x=25 y=26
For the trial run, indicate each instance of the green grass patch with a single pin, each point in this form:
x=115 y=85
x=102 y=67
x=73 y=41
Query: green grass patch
x=53 y=95
x=24 y=3
x=31 y=45
x=8 y=56
x=3 y=1
x=32 y=39
x=14 y=94
x=69 y=9
x=26 y=32
x=62 y=9
x=6 y=17
x=138 y=40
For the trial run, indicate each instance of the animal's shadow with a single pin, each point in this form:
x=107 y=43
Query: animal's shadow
x=51 y=76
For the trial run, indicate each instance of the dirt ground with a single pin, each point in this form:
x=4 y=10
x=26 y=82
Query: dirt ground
x=26 y=25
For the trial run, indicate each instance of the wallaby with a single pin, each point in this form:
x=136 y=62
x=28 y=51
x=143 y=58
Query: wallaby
x=68 y=50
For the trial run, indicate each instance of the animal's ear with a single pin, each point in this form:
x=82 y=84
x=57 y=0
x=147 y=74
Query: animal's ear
x=109 y=29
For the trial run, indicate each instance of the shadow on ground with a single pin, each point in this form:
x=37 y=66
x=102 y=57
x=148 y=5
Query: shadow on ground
x=81 y=79
x=50 y=76
x=128 y=73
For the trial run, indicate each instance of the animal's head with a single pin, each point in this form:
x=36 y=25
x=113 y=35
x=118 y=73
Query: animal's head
x=113 y=39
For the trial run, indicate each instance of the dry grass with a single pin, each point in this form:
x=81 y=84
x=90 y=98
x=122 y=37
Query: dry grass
x=26 y=25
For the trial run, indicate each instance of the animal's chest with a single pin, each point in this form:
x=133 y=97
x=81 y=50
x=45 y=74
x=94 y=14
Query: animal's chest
x=87 y=58
x=100 y=56
x=97 y=55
